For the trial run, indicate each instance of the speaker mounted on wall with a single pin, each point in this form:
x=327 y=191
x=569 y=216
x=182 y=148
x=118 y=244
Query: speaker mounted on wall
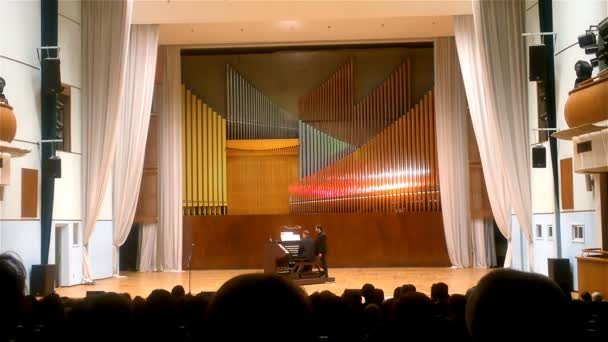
x=537 y=66
x=51 y=76
x=53 y=167
x=539 y=156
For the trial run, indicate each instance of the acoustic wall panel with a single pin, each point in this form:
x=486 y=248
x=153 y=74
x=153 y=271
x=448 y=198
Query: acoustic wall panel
x=29 y=193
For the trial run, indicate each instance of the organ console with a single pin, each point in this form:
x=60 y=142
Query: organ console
x=281 y=257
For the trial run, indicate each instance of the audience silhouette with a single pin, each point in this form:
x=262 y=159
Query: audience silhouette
x=506 y=305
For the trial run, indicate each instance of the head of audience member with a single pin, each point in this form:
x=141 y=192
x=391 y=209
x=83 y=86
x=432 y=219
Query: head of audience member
x=439 y=293
x=178 y=291
x=413 y=314
x=469 y=292
x=367 y=291
x=585 y=296
x=407 y=288
x=397 y=292
x=12 y=289
x=352 y=298
x=524 y=302
x=378 y=296
x=259 y=307
x=456 y=307
x=597 y=297
x=161 y=313
x=194 y=311
x=372 y=314
x=108 y=310
x=51 y=311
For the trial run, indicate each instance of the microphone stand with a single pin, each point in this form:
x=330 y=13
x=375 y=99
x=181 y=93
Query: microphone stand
x=190 y=271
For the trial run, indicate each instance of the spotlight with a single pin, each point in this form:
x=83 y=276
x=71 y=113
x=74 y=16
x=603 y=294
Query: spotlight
x=595 y=62
x=583 y=71
x=591 y=50
x=587 y=40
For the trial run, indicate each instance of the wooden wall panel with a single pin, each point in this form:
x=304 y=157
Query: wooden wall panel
x=354 y=240
x=258 y=180
x=29 y=193
x=147 y=203
x=565 y=166
x=479 y=203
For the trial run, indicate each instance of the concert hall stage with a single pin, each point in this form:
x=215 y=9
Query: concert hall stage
x=141 y=284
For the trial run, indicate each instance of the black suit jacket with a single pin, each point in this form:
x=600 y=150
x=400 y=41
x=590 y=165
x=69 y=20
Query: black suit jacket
x=321 y=243
x=307 y=248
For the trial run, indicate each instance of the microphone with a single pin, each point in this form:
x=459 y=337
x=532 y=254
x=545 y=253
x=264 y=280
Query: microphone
x=190 y=270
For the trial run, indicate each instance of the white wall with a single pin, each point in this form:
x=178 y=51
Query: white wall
x=570 y=19
x=20 y=67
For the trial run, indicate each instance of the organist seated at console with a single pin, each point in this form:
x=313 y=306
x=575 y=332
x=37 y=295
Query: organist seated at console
x=292 y=255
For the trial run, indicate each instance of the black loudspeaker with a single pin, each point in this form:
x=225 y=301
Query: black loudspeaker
x=51 y=76
x=53 y=167
x=91 y=294
x=559 y=271
x=539 y=156
x=42 y=280
x=537 y=71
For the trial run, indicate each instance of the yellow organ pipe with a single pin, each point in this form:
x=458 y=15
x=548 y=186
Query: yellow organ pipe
x=204 y=157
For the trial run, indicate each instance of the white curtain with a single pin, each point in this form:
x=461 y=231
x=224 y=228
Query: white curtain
x=484 y=247
x=501 y=25
x=170 y=164
x=105 y=42
x=134 y=120
x=146 y=258
x=491 y=53
x=452 y=148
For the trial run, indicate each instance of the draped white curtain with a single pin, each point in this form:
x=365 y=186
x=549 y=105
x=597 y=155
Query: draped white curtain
x=134 y=119
x=170 y=164
x=105 y=42
x=484 y=247
x=491 y=53
x=146 y=258
x=452 y=149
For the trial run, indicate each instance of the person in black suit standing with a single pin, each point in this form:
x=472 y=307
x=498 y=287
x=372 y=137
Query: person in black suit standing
x=321 y=248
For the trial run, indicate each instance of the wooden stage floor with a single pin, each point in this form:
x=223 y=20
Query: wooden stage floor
x=141 y=284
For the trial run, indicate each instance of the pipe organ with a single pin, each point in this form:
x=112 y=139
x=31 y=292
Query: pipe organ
x=204 y=157
x=378 y=155
x=253 y=115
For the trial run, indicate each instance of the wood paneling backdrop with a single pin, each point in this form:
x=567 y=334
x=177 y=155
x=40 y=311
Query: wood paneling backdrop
x=147 y=204
x=354 y=240
x=259 y=175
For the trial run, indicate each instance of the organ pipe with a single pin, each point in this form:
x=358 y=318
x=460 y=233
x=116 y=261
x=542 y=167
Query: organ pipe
x=394 y=171
x=253 y=115
x=203 y=157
